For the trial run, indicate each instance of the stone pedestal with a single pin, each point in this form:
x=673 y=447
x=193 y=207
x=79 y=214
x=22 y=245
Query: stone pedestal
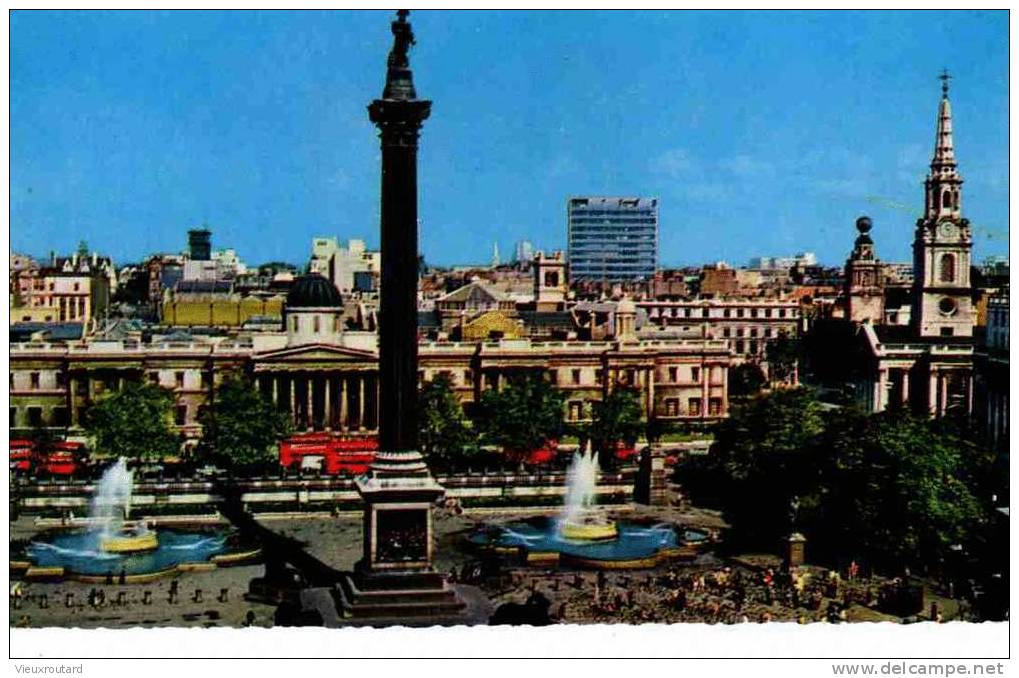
x=651 y=486
x=395 y=580
x=794 y=549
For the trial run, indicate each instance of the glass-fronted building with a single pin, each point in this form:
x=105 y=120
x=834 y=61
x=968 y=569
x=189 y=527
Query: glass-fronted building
x=612 y=239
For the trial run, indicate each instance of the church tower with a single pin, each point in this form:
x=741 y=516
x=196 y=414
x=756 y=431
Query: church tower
x=864 y=279
x=942 y=303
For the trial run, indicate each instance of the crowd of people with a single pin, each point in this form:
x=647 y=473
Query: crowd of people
x=725 y=594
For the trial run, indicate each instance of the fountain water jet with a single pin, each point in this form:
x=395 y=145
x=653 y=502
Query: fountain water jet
x=580 y=519
x=111 y=505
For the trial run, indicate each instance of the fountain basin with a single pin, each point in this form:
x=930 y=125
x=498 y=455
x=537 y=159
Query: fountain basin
x=541 y=542
x=130 y=543
x=83 y=555
x=589 y=531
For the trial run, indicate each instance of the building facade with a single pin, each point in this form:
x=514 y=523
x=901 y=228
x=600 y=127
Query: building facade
x=612 y=239
x=928 y=365
x=327 y=376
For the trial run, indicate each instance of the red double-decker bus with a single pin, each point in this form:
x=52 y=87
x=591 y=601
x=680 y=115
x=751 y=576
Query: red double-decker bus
x=334 y=454
x=59 y=459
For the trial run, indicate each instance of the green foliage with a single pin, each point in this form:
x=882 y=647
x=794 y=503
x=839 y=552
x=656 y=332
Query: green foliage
x=133 y=422
x=616 y=418
x=444 y=435
x=889 y=488
x=898 y=488
x=746 y=379
x=522 y=416
x=764 y=454
x=241 y=428
x=782 y=355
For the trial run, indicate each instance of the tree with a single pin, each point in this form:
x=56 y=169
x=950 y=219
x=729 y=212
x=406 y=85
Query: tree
x=746 y=379
x=523 y=416
x=133 y=422
x=898 y=489
x=444 y=434
x=764 y=459
x=241 y=428
x=615 y=419
x=782 y=355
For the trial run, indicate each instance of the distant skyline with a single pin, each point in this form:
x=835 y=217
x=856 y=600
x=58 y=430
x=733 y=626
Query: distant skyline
x=761 y=133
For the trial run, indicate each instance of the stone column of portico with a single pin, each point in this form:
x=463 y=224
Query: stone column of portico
x=932 y=394
x=310 y=399
x=343 y=401
x=905 y=386
x=293 y=398
x=943 y=400
x=275 y=389
x=327 y=406
x=360 y=402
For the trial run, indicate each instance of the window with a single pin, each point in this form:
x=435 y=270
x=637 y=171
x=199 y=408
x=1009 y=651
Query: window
x=947 y=202
x=715 y=407
x=695 y=374
x=673 y=374
x=181 y=417
x=576 y=407
x=767 y=331
x=553 y=376
x=178 y=379
x=946 y=331
x=60 y=417
x=597 y=376
x=33 y=378
x=206 y=380
x=575 y=374
x=316 y=325
x=726 y=313
x=35 y=416
x=753 y=347
x=946 y=272
x=14 y=417
x=753 y=331
x=694 y=407
x=61 y=378
x=688 y=312
x=726 y=332
x=672 y=407
x=294 y=324
x=468 y=377
x=154 y=378
x=753 y=313
x=781 y=313
x=739 y=346
x=739 y=313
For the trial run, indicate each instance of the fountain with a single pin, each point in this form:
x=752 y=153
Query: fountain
x=583 y=535
x=111 y=506
x=112 y=545
x=579 y=519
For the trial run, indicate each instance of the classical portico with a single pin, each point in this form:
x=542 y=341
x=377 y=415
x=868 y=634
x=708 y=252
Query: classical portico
x=324 y=387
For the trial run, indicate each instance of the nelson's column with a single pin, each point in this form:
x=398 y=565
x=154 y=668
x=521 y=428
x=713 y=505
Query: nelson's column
x=395 y=579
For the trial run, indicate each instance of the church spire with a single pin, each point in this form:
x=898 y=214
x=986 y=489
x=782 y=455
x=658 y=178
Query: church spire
x=943 y=182
x=944 y=151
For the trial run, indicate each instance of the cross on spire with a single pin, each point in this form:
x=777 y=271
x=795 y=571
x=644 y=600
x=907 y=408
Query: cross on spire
x=944 y=78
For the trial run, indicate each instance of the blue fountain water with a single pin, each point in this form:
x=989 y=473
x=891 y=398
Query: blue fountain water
x=634 y=540
x=79 y=552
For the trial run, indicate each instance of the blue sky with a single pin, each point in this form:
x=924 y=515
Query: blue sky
x=760 y=132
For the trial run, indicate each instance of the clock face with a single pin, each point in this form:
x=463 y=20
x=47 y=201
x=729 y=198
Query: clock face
x=947 y=229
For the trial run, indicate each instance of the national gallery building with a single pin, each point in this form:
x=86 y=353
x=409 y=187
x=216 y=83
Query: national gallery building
x=326 y=375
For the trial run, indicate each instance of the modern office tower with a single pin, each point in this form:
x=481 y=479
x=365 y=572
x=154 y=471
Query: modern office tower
x=612 y=239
